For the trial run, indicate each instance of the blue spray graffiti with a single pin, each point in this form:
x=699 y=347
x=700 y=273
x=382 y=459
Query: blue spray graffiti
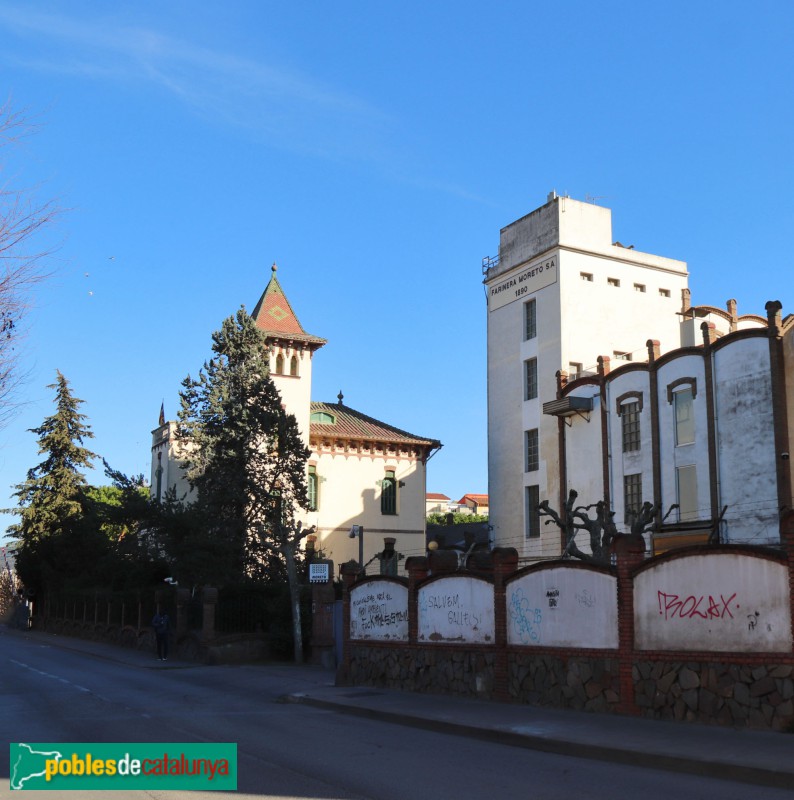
x=525 y=619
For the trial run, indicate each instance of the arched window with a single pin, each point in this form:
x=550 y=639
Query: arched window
x=293 y=366
x=279 y=364
x=313 y=484
x=388 y=494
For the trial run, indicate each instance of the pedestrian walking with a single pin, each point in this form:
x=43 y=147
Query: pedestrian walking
x=160 y=625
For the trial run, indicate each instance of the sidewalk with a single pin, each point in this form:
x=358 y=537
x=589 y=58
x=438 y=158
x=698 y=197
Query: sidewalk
x=749 y=756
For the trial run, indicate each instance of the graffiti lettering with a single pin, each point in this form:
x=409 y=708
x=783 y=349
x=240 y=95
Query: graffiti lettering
x=702 y=606
x=464 y=619
x=526 y=621
x=553 y=596
x=585 y=598
x=443 y=601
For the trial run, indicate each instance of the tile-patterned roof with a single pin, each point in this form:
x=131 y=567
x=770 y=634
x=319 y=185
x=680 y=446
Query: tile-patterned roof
x=435 y=496
x=273 y=314
x=479 y=499
x=351 y=424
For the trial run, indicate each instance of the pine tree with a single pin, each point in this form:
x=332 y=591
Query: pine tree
x=245 y=459
x=51 y=500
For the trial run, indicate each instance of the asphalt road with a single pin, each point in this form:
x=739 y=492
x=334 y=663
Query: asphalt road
x=52 y=694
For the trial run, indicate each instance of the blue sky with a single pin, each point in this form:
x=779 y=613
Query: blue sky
x=373 y=151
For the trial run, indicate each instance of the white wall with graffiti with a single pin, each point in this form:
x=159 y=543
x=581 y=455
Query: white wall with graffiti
x=457 y=608
x=563 y=607
x=379 y=611
x=721 y=602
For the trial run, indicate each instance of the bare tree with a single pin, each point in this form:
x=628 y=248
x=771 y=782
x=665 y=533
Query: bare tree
x=601 y=528
x=22 y=257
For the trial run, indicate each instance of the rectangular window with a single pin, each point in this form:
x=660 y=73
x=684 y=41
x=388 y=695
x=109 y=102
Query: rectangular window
x=530 y=379
x=630 y=418
x=312 y=486
x=575 y=370
x=632 y=497
x=639 y=287
x=586 y=276
x=388 y=493
x=613 y=282
x=686 y=480
x=530 y=320
x=532 y=511
x=664 y=292
x=621 y=356
x=532 y=452
x=684 y=417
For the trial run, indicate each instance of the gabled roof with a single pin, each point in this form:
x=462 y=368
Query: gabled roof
x=435 y=496
x=273 y=314
x=479 y=499
x=351 y=424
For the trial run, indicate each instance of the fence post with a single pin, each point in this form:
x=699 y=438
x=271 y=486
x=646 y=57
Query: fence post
x=210 y=598
x=349 y=571
x=505 y=561
x=787 y=539
x=182 y=600
x=630 y=552
x=418 y=569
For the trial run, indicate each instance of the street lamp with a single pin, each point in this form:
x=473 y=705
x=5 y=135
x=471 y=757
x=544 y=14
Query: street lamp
x=358 y=530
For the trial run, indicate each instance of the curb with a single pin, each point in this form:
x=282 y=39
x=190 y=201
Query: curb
x=758 y=776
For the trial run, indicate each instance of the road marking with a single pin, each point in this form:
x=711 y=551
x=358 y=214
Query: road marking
x=49 y=675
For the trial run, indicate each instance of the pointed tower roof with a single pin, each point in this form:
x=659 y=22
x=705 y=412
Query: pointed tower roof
x=273 y=314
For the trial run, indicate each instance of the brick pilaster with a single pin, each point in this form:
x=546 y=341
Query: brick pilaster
x=629 y=551
x=505 y=561
x=418 y=570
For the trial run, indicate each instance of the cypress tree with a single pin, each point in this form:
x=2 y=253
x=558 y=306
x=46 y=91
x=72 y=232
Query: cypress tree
x=245 y=459
x=51 y=499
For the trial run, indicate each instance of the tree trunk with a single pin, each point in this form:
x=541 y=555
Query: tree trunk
x=295 y=601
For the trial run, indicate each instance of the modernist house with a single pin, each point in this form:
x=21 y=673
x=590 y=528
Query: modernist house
x=361 y=471
x=602 y=379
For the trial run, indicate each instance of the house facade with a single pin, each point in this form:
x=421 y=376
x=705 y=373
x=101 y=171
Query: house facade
x=361 y=471
x=586 y=335
x=701 y=431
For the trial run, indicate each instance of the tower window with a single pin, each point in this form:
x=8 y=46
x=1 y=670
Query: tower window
x=664 y=292
x=530 y=379
x=613 y=282
x=586 y=276
x=293 y=366
x=639 y=287
x=530 y=320
x=532 y=460
x=279 y=364
x=532 y=511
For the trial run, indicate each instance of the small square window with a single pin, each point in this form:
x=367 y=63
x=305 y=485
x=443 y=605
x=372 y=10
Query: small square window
x=639 y=287
x=664 y=292
x=621 y=356
x=586 y=276
x=613 y=281
x=574 y=370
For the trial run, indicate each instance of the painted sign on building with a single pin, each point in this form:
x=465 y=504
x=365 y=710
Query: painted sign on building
x=716 y=602
x=379 y=610
x=534 y=276
x=563 y=607
x=456 y=609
